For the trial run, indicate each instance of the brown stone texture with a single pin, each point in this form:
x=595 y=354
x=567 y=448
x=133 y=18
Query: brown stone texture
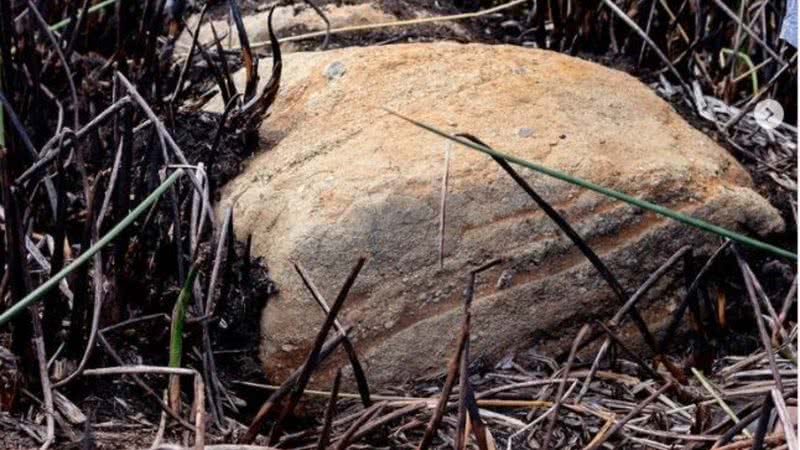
x=340 y=177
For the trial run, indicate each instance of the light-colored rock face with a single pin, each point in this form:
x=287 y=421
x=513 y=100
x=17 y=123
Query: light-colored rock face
x=345 y=179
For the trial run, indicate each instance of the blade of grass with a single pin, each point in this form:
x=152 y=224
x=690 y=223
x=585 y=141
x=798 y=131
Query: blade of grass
x=97 y=7
x=176 y=337
x=37 y=293
x=179 y=318
x=746 y=59
x=658 y=209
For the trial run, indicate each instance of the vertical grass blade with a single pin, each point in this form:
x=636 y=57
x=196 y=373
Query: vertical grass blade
x=179 y=318
x=176 y=337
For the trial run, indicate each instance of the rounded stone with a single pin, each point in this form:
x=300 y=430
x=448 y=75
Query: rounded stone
x=383 y=201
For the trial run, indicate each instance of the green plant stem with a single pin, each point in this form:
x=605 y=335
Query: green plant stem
x=179 y=318
x=176 y=338
x=87 y=255
x=747 y=61
x=59 y=25
x=658 y=209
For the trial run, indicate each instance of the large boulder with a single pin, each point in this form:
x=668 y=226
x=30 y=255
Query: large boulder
x=339 y=177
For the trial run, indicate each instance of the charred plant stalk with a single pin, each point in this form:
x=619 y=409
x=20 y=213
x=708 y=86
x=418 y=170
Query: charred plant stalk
x=313 y=360
x=347 y=344
x=587 y=251
x=634 y=412
x=85 y=256
x=562 y=385
x=330 y=411
x=762 y=329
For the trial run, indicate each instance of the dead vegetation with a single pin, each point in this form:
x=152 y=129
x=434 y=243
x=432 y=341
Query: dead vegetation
x=129 y=310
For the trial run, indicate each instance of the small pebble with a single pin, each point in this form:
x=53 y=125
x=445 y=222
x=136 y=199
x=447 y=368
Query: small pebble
x=525 y=132
x=335 y=70
x=504 y=281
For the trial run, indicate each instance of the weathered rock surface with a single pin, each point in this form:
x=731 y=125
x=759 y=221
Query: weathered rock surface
x=343 y=178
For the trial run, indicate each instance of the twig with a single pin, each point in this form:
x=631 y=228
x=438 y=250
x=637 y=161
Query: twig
x=44 y=378
x=443 y=202
x=772 y=440
x=789 y=425
x=560 y=392
x=616 y=340
x=200 y=414
x=139 y=369
x=383 y=420
x=347 y=438
x=614 y=322
x=209 y=365
x=295 y=384
x=324 y=19
x=161 y=403
x=64 y=63
x=625 y=18
x=749 y=31
x=776 y=320
x=330 y=411
x=762 y=330
x=347 y=344
x=645 y=287
x=274 y=400
x=49 y=151
x=707 y=385
x=441 y=406
x=763 y=423
x=251 y=70
x=677 y=316
x=99 y=296
x=790 y=298
x=179 y=84
x=467 y=405
x=587 y=382
x=633 y=413
x=313 y=359
x=163 y=134
x=587 y=251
